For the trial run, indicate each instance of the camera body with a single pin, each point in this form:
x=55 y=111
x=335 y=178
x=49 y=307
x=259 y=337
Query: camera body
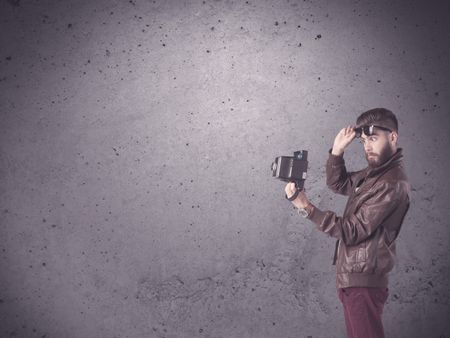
x=291 y=168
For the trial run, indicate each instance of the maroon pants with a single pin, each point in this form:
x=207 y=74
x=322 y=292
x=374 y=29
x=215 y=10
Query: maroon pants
x=363 y=307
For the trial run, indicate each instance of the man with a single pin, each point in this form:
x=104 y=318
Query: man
x=377 y=204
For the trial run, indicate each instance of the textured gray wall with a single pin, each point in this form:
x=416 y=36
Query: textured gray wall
x=136 y=142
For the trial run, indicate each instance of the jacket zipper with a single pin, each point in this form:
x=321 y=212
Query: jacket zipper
x=336 y=252
x=379 y=230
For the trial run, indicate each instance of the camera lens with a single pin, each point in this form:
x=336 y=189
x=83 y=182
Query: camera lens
x=274 y=166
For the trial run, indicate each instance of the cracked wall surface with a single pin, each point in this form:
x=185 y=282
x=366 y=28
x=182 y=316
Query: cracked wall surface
x=136 y=138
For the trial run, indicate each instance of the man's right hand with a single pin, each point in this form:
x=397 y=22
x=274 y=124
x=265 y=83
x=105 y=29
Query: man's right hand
x=342 y=140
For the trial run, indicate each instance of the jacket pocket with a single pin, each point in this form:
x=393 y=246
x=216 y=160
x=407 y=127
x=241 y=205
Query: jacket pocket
x=360 y=258
x=361 y=254
x=353 y=258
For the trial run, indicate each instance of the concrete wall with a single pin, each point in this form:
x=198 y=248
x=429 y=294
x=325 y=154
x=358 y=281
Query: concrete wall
x=136 y=197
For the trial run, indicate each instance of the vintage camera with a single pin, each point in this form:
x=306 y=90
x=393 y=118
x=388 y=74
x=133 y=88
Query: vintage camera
x=291 y=168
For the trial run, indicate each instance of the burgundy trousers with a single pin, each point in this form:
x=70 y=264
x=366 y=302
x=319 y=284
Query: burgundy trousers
x=363 y=308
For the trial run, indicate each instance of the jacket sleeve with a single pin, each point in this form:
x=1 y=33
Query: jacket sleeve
x=338 y=179
x=380 y=202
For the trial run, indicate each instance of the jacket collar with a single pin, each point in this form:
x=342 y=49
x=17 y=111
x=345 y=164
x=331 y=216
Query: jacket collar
x=393 y=161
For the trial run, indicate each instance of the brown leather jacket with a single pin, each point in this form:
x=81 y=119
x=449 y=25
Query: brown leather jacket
x=377 y=204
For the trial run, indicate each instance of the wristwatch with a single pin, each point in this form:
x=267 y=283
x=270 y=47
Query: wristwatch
x=305 y=212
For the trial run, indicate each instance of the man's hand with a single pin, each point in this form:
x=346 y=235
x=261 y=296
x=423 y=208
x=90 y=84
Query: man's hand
x=342 y=140
x=301 y=201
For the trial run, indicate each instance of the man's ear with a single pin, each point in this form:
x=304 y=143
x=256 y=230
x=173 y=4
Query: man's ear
x=394 y=137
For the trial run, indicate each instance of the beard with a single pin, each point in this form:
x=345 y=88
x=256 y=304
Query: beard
x=378 y=159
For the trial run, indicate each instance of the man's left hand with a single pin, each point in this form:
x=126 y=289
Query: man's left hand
x=301 y=201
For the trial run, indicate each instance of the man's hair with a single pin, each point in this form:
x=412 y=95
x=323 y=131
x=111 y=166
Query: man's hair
x=378 y=116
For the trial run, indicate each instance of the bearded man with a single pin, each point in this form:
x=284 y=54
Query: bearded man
x=379 y=198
